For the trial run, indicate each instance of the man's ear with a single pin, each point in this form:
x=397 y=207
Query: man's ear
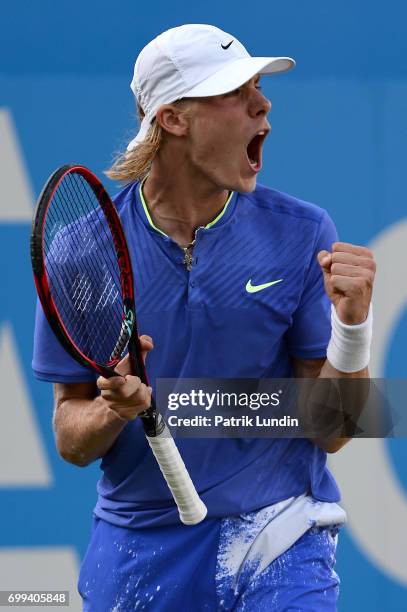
x=172 y=119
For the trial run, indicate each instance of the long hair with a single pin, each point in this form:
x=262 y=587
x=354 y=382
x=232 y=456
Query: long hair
x=134 y=165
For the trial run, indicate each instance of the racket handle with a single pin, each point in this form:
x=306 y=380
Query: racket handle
x=191 y=508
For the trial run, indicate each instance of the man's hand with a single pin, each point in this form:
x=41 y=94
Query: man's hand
x=349 y=272
x=126 y=394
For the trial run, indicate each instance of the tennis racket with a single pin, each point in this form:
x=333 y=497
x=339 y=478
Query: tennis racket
x=84 y=280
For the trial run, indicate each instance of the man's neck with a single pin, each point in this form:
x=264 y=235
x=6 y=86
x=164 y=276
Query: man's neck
x=179 y=203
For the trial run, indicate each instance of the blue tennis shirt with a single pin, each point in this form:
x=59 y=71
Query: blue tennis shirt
x=206 y=323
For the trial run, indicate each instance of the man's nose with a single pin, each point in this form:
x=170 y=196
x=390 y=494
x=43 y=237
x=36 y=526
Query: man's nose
x=259 y=104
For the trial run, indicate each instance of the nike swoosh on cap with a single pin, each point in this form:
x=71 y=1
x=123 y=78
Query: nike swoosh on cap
x=227 y=46
x=255 y=288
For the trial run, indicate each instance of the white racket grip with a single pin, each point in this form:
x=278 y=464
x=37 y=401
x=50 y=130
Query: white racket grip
x=191 y=508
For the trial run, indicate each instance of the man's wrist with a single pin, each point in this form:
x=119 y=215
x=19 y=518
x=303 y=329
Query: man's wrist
x=349 y=347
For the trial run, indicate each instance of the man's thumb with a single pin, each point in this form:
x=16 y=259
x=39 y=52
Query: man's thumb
x=325 y=260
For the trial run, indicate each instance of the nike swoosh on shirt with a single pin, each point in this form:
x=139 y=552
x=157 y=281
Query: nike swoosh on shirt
x=226 y=46
x=255 y=288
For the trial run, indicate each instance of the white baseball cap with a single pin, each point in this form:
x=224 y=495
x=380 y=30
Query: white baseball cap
x=193 y=61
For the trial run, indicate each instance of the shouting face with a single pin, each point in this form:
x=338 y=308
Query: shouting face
x=225 y=136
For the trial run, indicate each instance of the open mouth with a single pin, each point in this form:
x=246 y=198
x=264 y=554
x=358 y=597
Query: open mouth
x=254 y=150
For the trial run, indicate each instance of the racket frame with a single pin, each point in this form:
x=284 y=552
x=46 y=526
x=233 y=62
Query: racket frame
x=126 y=275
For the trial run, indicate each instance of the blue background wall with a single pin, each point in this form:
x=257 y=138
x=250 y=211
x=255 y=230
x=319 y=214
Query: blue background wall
x=339 y=140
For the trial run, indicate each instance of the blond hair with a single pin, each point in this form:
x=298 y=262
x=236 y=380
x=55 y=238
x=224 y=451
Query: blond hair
x=134 y=165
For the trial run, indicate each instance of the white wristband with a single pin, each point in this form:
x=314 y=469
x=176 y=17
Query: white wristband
x=349 y=347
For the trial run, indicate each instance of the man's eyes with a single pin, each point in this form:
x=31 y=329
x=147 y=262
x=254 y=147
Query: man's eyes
x=234 y=92
x=237 y=91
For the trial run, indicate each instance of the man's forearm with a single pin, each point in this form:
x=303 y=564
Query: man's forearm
x=89 y=416
x=331 y=445
x=85 y=429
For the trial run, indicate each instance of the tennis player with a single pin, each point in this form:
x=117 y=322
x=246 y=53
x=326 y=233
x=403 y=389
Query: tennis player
x=235 y=280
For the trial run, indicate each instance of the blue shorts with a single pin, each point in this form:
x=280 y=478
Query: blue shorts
x=207 y=567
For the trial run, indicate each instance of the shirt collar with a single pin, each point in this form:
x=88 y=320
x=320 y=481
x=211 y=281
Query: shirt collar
x=218 y=221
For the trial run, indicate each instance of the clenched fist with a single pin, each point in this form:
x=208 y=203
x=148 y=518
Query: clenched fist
x=349 y=272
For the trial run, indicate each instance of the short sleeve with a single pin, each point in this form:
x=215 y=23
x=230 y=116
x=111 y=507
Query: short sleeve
x=50 y=360
x=309 y=334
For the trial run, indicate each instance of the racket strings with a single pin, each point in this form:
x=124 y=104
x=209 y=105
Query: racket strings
x=78 y=288
x=62 y=270
x=83 y=271
x=81 y=293
x=110 y=291
x=72 y=299
x=90 y=240
x=89 y=196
